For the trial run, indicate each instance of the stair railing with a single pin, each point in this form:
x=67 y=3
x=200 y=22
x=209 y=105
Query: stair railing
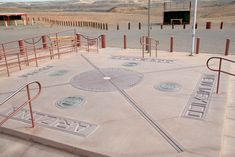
x=219 y=70
x=29 y=101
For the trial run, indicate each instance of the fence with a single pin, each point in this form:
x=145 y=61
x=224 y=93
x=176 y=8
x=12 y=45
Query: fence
x=15 y=55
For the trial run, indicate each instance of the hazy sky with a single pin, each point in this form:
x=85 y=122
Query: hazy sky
x=22 y=0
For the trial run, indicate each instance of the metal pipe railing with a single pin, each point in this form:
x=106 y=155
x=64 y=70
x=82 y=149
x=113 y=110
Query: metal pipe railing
x=219 y=69
x=29 y=101
x=148 y=43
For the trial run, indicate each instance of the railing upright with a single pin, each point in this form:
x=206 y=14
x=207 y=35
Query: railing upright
x=5 y=58
x=29 y=102
x=219 y=70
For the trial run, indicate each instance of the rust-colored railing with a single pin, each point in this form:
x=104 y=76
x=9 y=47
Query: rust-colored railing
x=16 y=55
x=29 y=101
x=148 y=44
x=88 y=42
x=219 y=70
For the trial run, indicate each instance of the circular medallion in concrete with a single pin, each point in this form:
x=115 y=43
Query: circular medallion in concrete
x=130 y=64
x=106 y=80
x=58 y=73
x=168 y=87
x=70 y=102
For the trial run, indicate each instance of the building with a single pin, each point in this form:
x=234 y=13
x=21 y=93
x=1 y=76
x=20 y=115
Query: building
x=12 y=18
x=176 y=12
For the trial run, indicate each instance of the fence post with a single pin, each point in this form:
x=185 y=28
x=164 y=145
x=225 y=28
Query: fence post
x=139 y=25
x=129 y=26
x=22 y=47
x=184 y=26
x=117 y=26
x=161 y=26
x=198 y=46
x=171 y=44
x=103 y=41
x=124 y=39
x=227 y=47
x=45 y=41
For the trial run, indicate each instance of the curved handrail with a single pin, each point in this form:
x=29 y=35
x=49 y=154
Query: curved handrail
x=23 y=105
x=219 y=69
x=220 y=58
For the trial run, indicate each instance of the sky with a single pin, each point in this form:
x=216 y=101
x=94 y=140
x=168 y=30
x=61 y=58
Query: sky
x=24 y=0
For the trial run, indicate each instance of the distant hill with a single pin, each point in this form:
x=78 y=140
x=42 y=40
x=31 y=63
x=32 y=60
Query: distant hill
x=95 y=5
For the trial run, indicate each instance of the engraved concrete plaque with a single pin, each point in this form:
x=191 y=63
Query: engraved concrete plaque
x=54 y=122
x=70 y=102
x=130 y=64
x=168 y=87
x=59 y=73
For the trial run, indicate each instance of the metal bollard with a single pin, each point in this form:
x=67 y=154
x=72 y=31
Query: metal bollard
x=227 y=47
x=45 y=41
x=124 y=39
x=221 y=25
x=208 y=25
x=22 y=47
x=78 y=40
x=171 y=44
x=198 y=46
x=103 y=41
x=107 y=26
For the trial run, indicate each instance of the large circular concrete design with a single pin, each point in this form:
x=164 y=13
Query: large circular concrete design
x=70 y=102
x=168 y=87
x=106 y=80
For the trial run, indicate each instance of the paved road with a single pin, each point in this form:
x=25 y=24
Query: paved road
x=212 y=41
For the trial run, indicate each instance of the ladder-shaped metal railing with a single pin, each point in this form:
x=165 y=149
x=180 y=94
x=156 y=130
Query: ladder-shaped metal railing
x=148 y=44
x=219 y=70
x=29 y=101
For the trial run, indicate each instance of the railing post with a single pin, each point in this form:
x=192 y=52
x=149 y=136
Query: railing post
x=227 y=47
x=6 y=63
x=124 y=40
x=142 y=43
x=30 y=105
x=35 y=53
x=218 y=80
x=57 y=44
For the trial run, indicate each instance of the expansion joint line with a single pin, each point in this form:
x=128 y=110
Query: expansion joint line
x=143 y=113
